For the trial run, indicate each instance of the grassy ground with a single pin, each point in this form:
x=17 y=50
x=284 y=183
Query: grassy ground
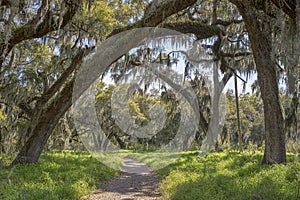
x=59 y=175
x=228 y=175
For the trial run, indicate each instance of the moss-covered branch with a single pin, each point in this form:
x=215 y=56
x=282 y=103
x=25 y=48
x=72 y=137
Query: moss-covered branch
x=32 y=30
x=156 y=13
x=159 y=10
x=200 y=30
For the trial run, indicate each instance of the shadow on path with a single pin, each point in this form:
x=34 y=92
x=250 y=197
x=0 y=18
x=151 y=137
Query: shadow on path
x=137 y=182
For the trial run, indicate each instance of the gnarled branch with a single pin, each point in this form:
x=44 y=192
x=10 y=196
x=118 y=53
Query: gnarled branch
x=32 y=30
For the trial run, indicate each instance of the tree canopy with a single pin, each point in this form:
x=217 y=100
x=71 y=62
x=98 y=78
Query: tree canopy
x=44 y=42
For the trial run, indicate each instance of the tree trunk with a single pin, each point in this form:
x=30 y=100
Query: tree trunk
x=44 y=127
x=1 y=142
x=238 y=114
x=275 y=151
x=44 y=123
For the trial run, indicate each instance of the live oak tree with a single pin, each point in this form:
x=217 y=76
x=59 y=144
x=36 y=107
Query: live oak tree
x=46 y=114
x=261 y=44
x=45 y=76
x=22 y=70
x=65 y=23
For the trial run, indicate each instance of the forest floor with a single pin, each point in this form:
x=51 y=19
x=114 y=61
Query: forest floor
x=137 y=182
x=220 y=175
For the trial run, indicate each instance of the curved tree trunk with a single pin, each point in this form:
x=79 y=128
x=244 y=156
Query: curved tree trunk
x=44 y=126
x=48 y=110
x=45 y=120
x=275 y=151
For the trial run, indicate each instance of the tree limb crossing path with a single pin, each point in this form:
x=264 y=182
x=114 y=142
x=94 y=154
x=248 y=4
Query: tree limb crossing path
x=137 y=182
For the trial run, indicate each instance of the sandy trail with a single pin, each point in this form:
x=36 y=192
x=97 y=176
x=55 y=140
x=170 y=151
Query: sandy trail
x=137 y=182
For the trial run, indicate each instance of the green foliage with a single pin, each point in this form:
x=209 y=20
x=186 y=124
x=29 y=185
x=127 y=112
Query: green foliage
x=2 y=116
x=140 y=108
x=229 y=175
x=251 y=116
x=58 y=175
x=100 y=16
x=138 y=147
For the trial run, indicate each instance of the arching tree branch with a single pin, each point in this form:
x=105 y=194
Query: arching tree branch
x=33 y=30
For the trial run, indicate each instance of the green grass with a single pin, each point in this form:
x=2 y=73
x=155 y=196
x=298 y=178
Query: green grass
x=154 y=159
x=229 y=175
x=58 y=175
x=226 y=175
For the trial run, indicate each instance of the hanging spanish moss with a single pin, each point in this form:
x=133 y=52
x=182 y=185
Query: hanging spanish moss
x=290 y=52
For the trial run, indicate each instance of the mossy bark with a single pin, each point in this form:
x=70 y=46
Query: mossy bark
x=43 y=126
x=275 y=150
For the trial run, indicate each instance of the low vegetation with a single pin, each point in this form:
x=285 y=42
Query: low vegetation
x=224 y=175
x=58 y=175
x=229 y=175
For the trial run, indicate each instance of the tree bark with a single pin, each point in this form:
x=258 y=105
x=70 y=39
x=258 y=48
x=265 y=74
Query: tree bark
x=275 y=151
x=159 y=10
x=49 y=24
x=44 y=127
x=238 y=114
x=288 y=7
x=1 y=142
x=47 y=113
x=201 y=31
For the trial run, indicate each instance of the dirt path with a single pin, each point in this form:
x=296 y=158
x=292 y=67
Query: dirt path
x=137 y=182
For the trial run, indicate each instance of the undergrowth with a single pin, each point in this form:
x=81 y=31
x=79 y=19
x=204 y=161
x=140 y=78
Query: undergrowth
x=224 y=175
x=229 y=175
x=58 y=175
